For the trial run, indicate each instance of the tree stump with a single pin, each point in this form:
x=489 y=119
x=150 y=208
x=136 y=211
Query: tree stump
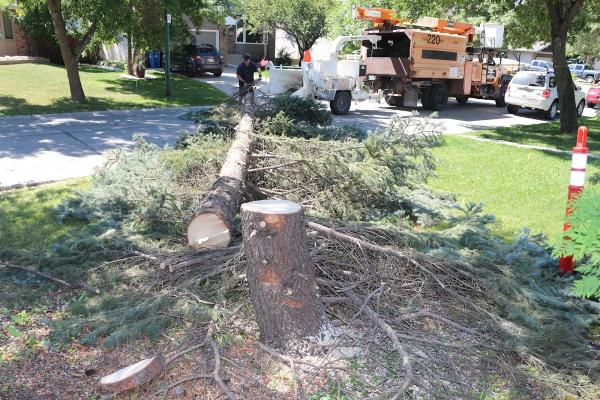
x=280 y=272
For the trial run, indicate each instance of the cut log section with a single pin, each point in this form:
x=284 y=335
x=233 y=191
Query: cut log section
x=134 y=375
x=280 y=272
x=212 y=225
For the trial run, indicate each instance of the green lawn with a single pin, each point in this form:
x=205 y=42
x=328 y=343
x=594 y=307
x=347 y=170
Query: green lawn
x=547 y=135
x=27 y=218
x=44 y=88
x=522 y=187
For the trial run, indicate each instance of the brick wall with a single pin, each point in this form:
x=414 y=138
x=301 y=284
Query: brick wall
x=22 y=42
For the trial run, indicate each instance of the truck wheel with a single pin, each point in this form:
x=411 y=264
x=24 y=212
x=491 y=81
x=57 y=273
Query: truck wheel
x=500 y=100
x=462 y=99
x=591 y=105
x=552 y=111
x=438 y=97
x=589 y=79
x=340 y=104
x=394 y=101
x=426 y=98
x=512 y=109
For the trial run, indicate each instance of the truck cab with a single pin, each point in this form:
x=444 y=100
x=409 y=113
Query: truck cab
x=585 y=72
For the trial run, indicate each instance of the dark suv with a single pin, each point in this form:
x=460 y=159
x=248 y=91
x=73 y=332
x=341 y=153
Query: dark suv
x=193 y=58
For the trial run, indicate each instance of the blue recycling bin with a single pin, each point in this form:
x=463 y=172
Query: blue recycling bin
x=154 y=59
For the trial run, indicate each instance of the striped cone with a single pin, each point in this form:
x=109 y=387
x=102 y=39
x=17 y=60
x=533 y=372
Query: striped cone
x=576 y=182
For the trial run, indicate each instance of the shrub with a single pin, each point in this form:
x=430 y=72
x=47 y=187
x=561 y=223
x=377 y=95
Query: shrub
x=283 y=58
x=584 y=243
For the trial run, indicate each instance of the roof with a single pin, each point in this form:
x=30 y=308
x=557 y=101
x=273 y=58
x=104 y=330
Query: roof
x=539 y=47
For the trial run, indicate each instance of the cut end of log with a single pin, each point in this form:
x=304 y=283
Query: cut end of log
x=277 y=207
x=134 y=375
x=208 y=231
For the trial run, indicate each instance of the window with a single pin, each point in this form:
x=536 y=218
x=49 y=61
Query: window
x=244 y=35
x=8 y=32
x=528 y=79
x=439 y=55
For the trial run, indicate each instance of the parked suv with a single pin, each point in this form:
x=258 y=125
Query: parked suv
x=537 y=91
x=192 y=59
x=540 y=65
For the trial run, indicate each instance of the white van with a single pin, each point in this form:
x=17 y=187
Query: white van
x=537 y=91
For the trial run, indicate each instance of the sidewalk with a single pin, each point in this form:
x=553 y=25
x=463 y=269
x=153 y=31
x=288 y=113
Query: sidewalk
x=41 y=148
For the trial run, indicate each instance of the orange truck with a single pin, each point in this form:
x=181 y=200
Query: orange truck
x=431 y=60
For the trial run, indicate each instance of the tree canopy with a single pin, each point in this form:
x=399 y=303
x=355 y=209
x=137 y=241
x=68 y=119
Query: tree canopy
x=303 y=20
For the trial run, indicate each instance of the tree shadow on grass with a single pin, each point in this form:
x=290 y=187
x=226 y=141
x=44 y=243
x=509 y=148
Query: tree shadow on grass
x=185 y=92
x=548 y=135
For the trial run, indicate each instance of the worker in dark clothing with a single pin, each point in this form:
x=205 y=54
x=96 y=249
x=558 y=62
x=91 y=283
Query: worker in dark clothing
x=245 y=75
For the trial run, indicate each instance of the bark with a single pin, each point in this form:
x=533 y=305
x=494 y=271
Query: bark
x=280 y=272
x=561 y=18
x=129 y=54
x=70 y=50
x=213 y=223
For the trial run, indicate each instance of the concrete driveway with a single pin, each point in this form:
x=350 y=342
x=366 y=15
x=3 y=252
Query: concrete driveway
x=41 y=148
x=454 y=119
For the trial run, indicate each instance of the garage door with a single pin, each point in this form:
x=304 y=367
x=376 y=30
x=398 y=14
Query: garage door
x=210 y=37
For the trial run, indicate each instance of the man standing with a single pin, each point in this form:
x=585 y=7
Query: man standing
x=245 y=75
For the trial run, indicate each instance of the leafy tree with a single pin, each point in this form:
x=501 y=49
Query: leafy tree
x=586 y=42
x=303 y=20
x=75 y=23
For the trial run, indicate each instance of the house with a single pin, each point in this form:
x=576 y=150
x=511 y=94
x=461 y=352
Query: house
x=232 y=39
x=539 y=51
x=13 y=41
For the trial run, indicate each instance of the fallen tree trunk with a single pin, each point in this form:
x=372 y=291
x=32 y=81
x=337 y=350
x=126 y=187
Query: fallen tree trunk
x=212 y=225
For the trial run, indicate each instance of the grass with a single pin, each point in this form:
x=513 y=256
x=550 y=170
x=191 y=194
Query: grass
x=522 y=187
x=44 y=88
x=547 y=135
x=27 y=220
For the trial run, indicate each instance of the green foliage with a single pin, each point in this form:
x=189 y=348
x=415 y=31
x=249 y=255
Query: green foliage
x=216 y=124
x=142 y=191
x=584 y=243
x=303 y=20
x=283 y=57
x=283 y=125
x=298 y=109
x=353 y=180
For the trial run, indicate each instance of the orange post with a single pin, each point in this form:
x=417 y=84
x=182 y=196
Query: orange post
x=578 y=168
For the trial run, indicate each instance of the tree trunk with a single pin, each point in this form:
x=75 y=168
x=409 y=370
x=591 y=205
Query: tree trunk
x=280 y=272
x=213 y=223
x=566 y=89
x=129 y=54
x=69 y=56
x=561 y=17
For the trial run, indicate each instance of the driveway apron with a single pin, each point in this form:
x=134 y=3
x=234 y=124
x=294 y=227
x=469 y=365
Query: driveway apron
x=41 y=148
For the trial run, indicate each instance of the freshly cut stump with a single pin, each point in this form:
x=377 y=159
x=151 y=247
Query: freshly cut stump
x=134 y=375
x=212 y=224
x=280 y=272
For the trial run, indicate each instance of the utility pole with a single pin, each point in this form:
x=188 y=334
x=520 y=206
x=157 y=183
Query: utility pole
x=167 y=55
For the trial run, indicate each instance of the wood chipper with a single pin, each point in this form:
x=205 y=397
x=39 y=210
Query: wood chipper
x=431 y=59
